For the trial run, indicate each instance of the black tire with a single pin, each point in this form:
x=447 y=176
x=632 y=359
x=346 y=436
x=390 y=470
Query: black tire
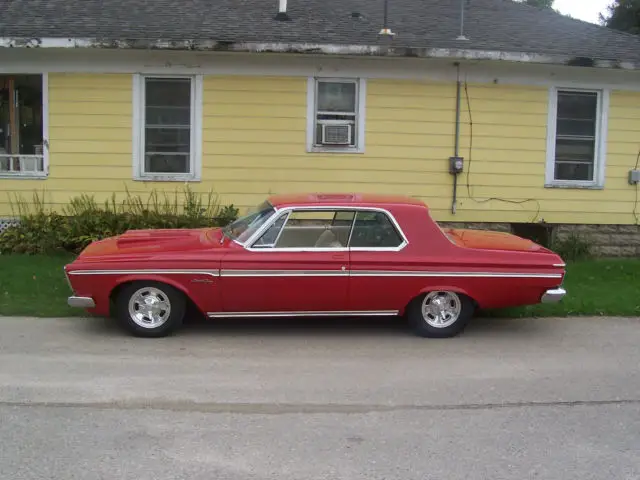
x=164 y=295
x=424 y=326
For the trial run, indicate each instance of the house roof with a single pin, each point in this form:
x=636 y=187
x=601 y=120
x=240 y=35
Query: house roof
x=421 y=27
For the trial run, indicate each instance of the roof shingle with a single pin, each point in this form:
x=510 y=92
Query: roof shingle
x=496 y=25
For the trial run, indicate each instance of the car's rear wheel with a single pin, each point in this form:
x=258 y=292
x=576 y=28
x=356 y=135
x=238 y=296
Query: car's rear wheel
x=440 y=314
x=150 y=309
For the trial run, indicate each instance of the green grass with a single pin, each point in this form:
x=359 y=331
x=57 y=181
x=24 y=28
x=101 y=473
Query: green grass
x=36 y=286
x=595 y=288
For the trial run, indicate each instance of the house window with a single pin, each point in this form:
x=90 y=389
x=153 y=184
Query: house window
x=169 y=126
x=577 y=127
x=335 y=115
x=23 y=125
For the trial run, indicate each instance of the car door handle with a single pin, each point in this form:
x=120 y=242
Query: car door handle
x=338 y=256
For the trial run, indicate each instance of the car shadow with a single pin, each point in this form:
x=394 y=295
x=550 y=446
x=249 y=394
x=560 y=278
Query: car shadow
x=392 y=327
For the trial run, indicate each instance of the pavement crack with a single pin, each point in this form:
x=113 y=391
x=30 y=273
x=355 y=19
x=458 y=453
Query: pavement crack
x=302 y=408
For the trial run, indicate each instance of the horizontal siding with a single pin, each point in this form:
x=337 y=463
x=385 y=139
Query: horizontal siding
x=90 y=125
x=254 y=138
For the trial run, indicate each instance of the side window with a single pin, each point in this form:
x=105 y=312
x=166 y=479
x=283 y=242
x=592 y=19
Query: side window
x=374 y=230
x=309 y=229
x=269 y=238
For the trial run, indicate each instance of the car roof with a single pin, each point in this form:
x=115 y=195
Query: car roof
x=342 y=199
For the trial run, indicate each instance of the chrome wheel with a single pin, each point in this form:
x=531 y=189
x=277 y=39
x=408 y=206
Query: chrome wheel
x=441 y=309
x=149 y=307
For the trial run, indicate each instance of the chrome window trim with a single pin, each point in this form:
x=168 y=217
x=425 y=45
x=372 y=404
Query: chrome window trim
x=256 y=236
x=288 y=214
x=277 y=217
x=332 y=313
x=353 y=225
x=246 y=242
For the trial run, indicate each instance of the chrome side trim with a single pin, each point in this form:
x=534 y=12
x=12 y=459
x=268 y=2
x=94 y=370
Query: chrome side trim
x=380 y=273
x=248 y=245
x=375 y=313
x=553 y=296
x=211 y=273
x=81 y=302
x=427 y=273
x=284 y=273
x=561 y=265
x=320 y=273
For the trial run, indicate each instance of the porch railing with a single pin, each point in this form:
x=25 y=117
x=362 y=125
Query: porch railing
x=22 y=165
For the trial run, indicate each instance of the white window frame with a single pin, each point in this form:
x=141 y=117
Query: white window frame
x=600 y=150
x=45 y=136
x=361 y=95
x=195 y=161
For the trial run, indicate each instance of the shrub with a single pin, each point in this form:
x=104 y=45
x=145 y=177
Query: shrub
x=84 y=220
x=573 y=247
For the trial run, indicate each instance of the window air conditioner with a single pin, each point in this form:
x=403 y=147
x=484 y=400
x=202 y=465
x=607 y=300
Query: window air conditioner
x=336 y=132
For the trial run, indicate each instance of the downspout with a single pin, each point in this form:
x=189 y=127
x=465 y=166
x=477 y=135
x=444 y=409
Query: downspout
x=456 y=153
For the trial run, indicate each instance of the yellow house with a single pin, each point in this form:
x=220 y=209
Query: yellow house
x=494 y=113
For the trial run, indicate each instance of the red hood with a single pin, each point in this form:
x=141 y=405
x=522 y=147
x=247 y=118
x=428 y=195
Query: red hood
x=489 y=240
x=151 y=241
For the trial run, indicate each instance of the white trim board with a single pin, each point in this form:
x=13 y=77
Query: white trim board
x=192 y=63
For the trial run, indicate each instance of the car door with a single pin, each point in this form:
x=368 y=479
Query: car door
x=298 y=266
x=376 y=282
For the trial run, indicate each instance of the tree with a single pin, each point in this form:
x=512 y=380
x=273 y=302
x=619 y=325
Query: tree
x=539 y=3
x=623 y=15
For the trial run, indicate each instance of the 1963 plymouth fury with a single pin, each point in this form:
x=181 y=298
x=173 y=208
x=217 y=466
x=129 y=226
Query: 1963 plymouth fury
x=314 y=255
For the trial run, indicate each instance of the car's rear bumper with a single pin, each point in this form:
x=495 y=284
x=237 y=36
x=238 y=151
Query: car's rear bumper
x=81 y=302
x=554 y=295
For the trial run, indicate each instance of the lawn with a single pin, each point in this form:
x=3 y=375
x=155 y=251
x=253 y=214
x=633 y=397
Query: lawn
x=594 y=287
x=36 y=286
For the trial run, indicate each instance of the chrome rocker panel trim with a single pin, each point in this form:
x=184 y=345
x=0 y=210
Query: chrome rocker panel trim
x=554 y=295
x=376 y=313
x=81 y=302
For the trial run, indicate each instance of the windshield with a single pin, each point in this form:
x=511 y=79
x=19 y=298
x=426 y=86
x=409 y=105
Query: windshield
x=242 y=229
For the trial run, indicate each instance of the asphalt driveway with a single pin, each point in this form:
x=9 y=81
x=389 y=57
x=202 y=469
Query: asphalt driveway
x=310 y=399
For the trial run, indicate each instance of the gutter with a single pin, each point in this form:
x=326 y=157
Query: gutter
x=318 y=49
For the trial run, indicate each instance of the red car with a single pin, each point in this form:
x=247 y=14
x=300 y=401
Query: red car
x=314 y=255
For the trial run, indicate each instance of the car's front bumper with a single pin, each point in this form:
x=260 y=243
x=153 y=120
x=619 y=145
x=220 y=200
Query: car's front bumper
x=554 y=295
x=81 y=302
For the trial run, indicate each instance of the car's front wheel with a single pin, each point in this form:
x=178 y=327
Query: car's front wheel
x=150 y=309
x=440 y=314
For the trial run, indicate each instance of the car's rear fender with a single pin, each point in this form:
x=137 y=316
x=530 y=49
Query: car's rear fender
x=437 y=288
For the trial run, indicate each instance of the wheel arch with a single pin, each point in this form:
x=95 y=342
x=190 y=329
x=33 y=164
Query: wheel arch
x=441 y=288
x=129 y=279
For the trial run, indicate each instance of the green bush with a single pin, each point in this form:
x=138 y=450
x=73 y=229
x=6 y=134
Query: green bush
x=573 y=248
x=42 y=230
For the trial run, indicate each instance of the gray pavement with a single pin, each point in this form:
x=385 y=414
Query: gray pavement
x=316 y=399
